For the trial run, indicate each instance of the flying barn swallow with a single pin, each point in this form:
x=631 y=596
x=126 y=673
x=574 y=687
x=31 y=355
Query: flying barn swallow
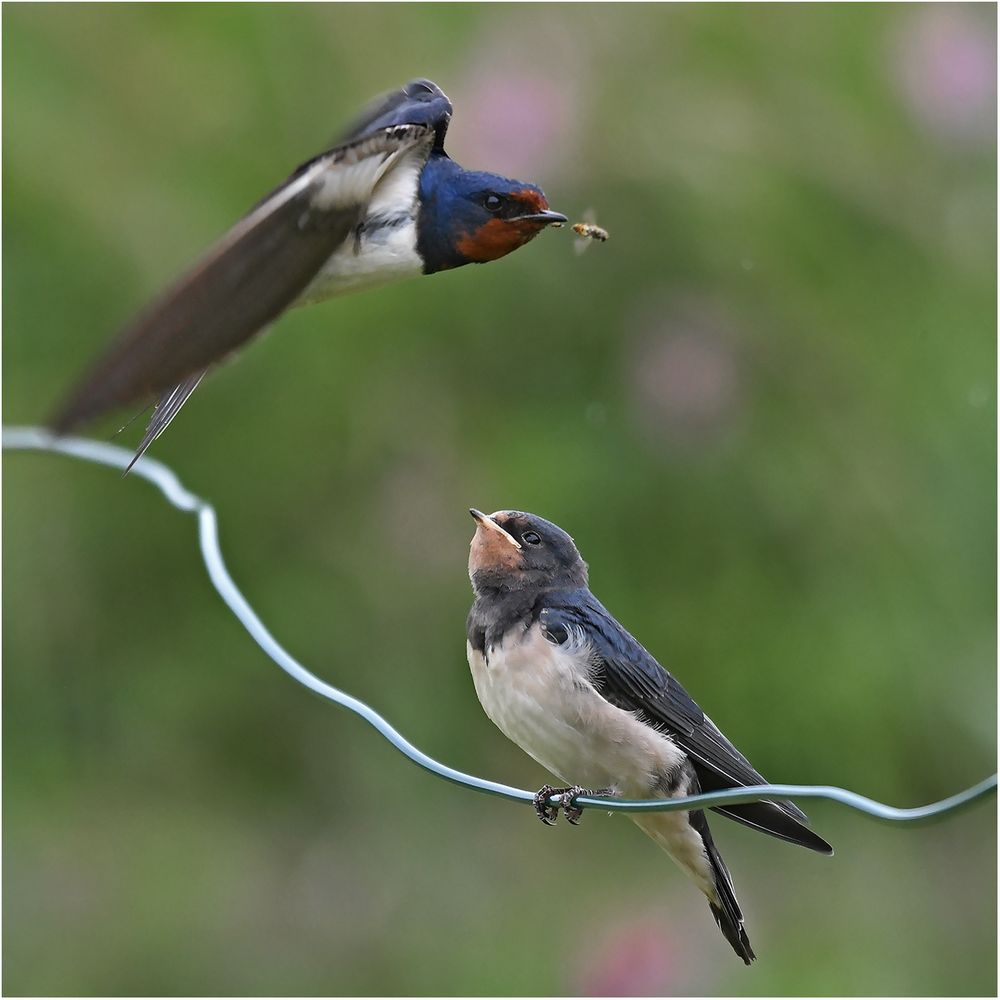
x=562 y=679
x=384 y=204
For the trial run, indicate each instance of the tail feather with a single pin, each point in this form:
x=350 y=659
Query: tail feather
x=167 y=407
x=726 y=908
x=687 y=839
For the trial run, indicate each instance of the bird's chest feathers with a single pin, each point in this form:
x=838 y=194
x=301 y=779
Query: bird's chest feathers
x=383 y=249
x=524 y=675
x=541 y=697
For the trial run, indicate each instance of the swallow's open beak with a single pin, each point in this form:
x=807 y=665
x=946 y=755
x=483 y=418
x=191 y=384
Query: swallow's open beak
x=487 y=522
x=546 y=218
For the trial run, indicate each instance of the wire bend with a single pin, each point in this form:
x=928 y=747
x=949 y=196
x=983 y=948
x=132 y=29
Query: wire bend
x=176 y=494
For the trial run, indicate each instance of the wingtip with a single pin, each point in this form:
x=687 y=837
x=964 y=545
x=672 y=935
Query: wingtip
x=814 y=842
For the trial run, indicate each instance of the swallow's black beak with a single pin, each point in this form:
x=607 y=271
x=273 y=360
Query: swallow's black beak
x=546 y=218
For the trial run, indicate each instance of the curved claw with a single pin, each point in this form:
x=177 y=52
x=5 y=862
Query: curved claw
x=574 y=813
x=549 y=813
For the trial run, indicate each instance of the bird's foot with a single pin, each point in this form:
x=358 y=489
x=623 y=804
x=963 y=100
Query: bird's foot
x=548 y=813
x=574 y=813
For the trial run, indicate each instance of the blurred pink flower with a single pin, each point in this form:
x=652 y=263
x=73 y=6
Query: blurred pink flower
x=633 y=958
x=522 y=110
x=516 y=125
x=945 y=68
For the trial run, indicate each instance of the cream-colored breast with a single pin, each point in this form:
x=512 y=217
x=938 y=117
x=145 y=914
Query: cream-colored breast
x=380 y=259
x=541 y=697
x=379 y=254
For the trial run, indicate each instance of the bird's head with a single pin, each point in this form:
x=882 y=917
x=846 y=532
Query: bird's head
x=470 y=217
x=512 y=550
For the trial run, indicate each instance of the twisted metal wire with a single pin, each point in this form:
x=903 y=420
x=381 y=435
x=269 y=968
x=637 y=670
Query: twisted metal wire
x=167 y=482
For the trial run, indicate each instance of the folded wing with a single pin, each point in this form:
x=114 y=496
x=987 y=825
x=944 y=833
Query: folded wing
x=630 y=678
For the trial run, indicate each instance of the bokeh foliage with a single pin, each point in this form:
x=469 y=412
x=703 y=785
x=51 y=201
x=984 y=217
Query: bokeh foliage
x=765 y=409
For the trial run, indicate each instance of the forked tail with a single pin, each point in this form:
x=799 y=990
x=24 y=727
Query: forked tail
x=688 y=840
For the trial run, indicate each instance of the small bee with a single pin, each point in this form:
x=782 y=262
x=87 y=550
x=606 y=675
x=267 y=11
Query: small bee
x=591 y=231
x=588 y=231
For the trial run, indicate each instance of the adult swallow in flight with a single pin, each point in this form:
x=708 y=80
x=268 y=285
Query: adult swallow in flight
x=384 y=204
x=560 y=677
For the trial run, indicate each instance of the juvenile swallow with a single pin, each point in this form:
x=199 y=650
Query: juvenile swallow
x=385 y=203
x=561 y=678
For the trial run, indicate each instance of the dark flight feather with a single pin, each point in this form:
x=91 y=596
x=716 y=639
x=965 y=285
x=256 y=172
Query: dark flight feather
x=419 y=102
x=252 y=275
x=630 y=678
x=255 y=272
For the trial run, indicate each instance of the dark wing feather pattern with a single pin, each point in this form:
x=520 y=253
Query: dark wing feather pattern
x=630 y=678
x=253 y=274
x=419 y=102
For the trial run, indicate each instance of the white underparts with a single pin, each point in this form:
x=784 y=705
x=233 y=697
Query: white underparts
x=384 y=247
x=377 y=256
x=541 y=697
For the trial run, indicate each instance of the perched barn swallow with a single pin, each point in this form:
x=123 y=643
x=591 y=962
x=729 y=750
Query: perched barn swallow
x=561 y=678
x=387 y=202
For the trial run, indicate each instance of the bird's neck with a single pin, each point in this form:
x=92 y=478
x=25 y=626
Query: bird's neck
x=437 y=219
x=495 y=612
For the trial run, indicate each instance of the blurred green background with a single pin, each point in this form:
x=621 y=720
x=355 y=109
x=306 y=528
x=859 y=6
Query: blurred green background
x=765 y=409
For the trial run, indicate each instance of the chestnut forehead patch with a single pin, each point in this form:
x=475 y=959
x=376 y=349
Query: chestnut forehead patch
x=531 y=198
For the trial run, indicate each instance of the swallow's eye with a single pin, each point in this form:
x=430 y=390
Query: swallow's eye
x=531 y=538
x=492 y=203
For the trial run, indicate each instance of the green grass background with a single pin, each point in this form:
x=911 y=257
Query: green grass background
x=765 y=409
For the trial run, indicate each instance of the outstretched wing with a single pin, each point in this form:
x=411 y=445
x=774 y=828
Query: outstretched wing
x=252 y=275
x=630 y=678
x=420 y=102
